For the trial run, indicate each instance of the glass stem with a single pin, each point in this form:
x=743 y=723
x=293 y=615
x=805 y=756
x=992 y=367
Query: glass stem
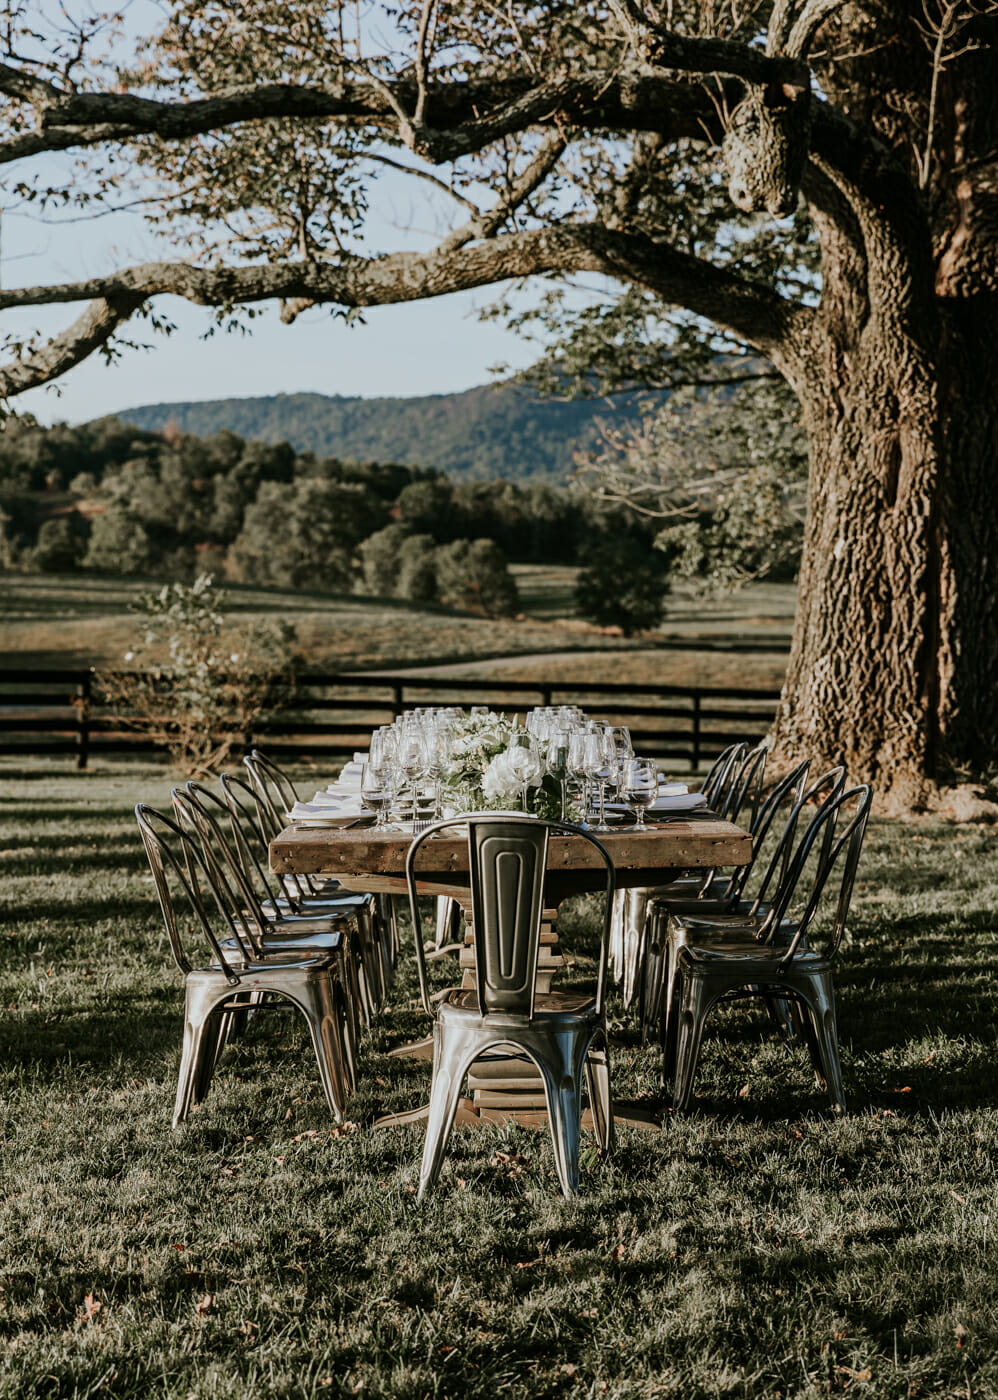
x=602 y=804
x=564 y=799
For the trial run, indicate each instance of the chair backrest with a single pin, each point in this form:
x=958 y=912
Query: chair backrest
x=197 y=809
x=780 y=873
x=274 y=788
x=507 y=863
x=837 y=831
x=173 y=855
x=232 y=833
x=719 y=781
x=744 y=800
x=276 y=795
x=785 y=794
x=254 y=816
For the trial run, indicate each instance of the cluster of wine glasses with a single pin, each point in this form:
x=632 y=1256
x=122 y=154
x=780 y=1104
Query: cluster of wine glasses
x=405 y=763
x=594 y=763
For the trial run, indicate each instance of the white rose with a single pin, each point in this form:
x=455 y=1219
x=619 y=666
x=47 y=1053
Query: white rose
x=500 y=779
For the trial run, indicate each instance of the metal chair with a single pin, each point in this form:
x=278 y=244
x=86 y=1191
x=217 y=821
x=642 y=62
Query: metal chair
x=564 y=1034
x=274 y=794
x=736 y=784
x=771 y=957
x=345 y=924
x=723 y=895
x=240 y=968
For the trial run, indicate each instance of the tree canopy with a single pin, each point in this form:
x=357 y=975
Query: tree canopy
x=703 y=162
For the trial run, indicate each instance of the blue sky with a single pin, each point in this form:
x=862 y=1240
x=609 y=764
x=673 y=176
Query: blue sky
x=431 y=347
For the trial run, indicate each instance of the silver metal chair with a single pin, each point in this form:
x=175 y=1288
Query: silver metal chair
x=274 y=793
x=736 y=786
x=772 y=957
x=344 y=924
x=240 y=969
x=563 y=1033
x=724 y=895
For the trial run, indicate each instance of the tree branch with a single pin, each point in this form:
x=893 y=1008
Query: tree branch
x=87 y=334
x=454 y=124
x=753 y=313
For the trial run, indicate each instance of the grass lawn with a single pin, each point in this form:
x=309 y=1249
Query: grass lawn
x=758 y=1247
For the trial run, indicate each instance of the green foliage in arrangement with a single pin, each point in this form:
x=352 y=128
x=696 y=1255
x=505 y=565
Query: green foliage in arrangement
x=757 y=1247
x=218 y=682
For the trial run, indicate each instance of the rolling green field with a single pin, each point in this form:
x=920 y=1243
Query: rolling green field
x=759 y=1247
x=79 y=620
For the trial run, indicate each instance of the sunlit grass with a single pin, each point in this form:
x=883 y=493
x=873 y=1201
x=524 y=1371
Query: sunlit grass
x=758 y=1247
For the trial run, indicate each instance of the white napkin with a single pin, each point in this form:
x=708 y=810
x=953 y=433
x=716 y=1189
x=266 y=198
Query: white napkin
x=327 y=811
x=349 y=780
x=678 y=802
x=666 y=789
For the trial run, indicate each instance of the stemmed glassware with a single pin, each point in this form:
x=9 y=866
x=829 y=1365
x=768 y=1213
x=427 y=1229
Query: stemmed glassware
x=377 y=792
x=604 y=767
x=412 y=760
x=639 y=787
x=558 y=746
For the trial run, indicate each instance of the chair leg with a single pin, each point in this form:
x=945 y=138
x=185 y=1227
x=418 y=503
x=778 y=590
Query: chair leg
x=820 y=1009
x=454 y=1051
x=778 y=1010
x=317 y=1001
x=653 y=973
x=205 y=1026
x=694 y=1006
x=597 y=1068
x=562 y=1075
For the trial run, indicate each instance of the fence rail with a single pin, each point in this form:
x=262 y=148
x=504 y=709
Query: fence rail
x=57 y=712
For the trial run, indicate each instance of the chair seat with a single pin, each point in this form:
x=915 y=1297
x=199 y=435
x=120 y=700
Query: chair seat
x=752 y=961
x=547 y=1006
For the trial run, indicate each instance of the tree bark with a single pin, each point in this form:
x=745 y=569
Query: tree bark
x=894 y=662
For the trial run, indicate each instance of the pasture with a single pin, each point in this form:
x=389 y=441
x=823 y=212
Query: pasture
x=758 y=1247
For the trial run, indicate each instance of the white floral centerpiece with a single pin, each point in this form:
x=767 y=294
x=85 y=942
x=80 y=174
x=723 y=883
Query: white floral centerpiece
x=494 y=765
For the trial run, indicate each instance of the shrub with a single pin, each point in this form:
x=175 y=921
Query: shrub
x=474 y=574
x=207 y=698
x=624 y=582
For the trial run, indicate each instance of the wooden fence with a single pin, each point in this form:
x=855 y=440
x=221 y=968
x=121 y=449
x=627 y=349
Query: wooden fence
x=54 y=712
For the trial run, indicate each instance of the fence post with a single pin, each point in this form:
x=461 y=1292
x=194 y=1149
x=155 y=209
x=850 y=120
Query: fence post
x=396 y=700
x=83 y=692
x=546 y=696
x=696 y=732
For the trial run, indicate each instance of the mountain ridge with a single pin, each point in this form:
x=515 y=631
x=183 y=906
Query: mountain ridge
x=480 y=433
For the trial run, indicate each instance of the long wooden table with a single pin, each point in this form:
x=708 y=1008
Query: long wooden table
x=368 y=860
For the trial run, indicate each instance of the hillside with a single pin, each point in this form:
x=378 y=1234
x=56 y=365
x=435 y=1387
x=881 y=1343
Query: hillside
x=481 y=434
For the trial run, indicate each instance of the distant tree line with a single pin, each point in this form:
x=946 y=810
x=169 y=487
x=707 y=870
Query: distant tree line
x=109 y=498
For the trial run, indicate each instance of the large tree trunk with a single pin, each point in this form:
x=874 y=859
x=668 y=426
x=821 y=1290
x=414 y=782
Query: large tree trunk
x=894 y=663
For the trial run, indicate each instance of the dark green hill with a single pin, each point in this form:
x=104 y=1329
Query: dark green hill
x=491 y=431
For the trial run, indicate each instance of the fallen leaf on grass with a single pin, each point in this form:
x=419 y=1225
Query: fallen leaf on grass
x=743 y=1092
x=957 y=1197
x=959 y=1332
x=205 y=1305
x=618 y=1252
x=905 y=1089
x=91 y=1307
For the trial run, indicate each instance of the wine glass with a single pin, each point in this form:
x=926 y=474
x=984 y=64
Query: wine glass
x=577 y=766
x=412 y=763
x=639 y=787
x=376 y=792
x=622 y=741
x=558 y=744
x=601 y=753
